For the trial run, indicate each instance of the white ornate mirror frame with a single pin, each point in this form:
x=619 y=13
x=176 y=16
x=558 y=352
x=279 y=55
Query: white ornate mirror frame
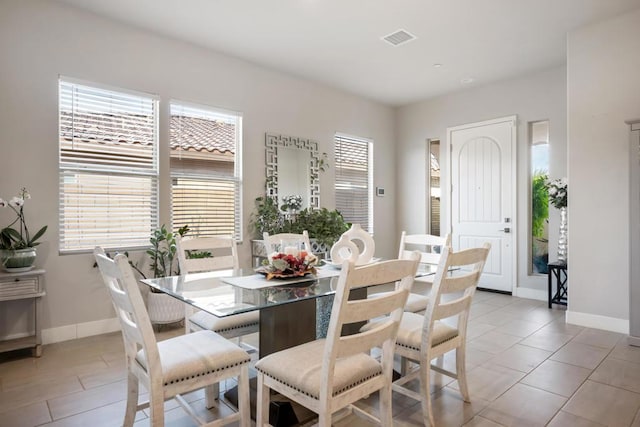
x=273 y=143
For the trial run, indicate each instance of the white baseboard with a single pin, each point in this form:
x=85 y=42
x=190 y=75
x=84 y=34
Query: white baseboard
x=596 y=321
x=530 y=293
x=79 y=330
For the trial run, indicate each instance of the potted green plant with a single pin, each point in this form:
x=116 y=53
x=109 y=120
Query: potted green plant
x=163 y=262
x=18 y=245
x=162 y=308
x=323 y=225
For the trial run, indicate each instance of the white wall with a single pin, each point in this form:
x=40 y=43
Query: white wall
x=535 y=97
x=40 y=40
x=603 y=69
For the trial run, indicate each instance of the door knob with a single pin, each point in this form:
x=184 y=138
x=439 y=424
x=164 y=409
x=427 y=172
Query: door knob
x=506 y=230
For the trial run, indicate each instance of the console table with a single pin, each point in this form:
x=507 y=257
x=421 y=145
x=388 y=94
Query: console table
x=18 y=286
x=557 y=274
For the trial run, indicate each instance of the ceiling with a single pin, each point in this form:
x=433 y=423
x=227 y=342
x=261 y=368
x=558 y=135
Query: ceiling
x=338 y=42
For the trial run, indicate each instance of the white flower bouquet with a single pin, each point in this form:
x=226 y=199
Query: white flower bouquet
x=558 y=193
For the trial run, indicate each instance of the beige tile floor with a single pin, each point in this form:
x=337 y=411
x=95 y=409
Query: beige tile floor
x=526 y=367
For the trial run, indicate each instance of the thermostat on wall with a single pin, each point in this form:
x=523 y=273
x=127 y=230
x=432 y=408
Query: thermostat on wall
x=380 y=191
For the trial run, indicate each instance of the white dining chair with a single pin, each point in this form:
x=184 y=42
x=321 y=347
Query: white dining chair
x=422 y=338
x=274 y=242
x=329 y=374
x=430 y=248
x=209 y=258
x=172 y=367
x=201 y=254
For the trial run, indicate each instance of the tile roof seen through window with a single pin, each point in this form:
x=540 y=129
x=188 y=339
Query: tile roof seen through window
x=195 y=134
x=186 y=133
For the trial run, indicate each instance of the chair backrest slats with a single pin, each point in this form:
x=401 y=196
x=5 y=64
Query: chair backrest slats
x=213 y=245
x=425 y=257
x=458 y=283
x=462 y=280
x=389 y=305
x=129 y=306
x=451 y=308
x=386 y=272
x=426 y=244
x=272 y=242
x=354 y=344
x=360 y=310
x=208 y=264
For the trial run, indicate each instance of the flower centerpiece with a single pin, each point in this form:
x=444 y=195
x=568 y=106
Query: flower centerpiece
x=282 y=265
x=17 y=244
x=558 y=193
x=291 y=203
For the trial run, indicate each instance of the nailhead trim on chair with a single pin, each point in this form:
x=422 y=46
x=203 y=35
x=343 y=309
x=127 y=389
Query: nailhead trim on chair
x=227 y=329
x=236 y=327
x=418 y=349
x=360 y=381
x=208 y=372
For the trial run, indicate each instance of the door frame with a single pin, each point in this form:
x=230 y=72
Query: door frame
x=448 y=149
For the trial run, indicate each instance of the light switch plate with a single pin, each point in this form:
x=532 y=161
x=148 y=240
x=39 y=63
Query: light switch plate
x=380 y=191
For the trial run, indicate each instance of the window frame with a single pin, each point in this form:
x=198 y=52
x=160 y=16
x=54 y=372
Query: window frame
x=340 y=137
x=237 y=175
x=153 y=172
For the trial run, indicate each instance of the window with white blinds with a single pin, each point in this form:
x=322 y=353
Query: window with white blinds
x=205 y=170
x=354 y=180
x=108 y=146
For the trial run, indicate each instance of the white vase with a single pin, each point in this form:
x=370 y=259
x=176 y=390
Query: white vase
x=562 y=238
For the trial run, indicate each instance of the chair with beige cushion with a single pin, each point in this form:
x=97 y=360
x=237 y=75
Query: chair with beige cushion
x=169 y=368
x=329 y=374
x=430 y=248
x=224 y=256
x=422 y=338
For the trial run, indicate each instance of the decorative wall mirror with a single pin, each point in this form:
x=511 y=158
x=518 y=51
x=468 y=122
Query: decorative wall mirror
x=292 y=169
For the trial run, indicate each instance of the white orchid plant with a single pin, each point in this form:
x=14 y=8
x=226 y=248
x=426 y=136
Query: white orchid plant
x=292 y=202
x=558 y=193
x=19 y=237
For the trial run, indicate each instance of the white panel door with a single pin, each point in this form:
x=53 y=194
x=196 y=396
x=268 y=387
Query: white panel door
x=482 y=195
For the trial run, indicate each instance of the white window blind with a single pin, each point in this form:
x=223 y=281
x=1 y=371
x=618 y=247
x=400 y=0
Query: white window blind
x=108 y=142
x=205 y=170
x=354 y=175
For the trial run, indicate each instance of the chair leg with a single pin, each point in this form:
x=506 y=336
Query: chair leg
x=461 y=370
x=404 y=366
x=262 y=411
x=156 y=406
x=132 y=400
x=211 y=395
x=324 y=419
x=188 y=312
x=386 y=414
x=425 y=385
x=243 y=397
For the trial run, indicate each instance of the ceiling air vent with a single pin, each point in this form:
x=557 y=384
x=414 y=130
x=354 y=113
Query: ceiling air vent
x=399 y=37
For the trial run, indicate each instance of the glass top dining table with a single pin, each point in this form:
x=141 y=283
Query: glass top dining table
x=228 y=292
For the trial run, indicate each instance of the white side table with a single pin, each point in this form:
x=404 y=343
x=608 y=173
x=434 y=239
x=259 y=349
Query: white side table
x=17 y=286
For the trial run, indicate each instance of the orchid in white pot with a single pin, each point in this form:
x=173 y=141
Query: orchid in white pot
x=17 y=244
